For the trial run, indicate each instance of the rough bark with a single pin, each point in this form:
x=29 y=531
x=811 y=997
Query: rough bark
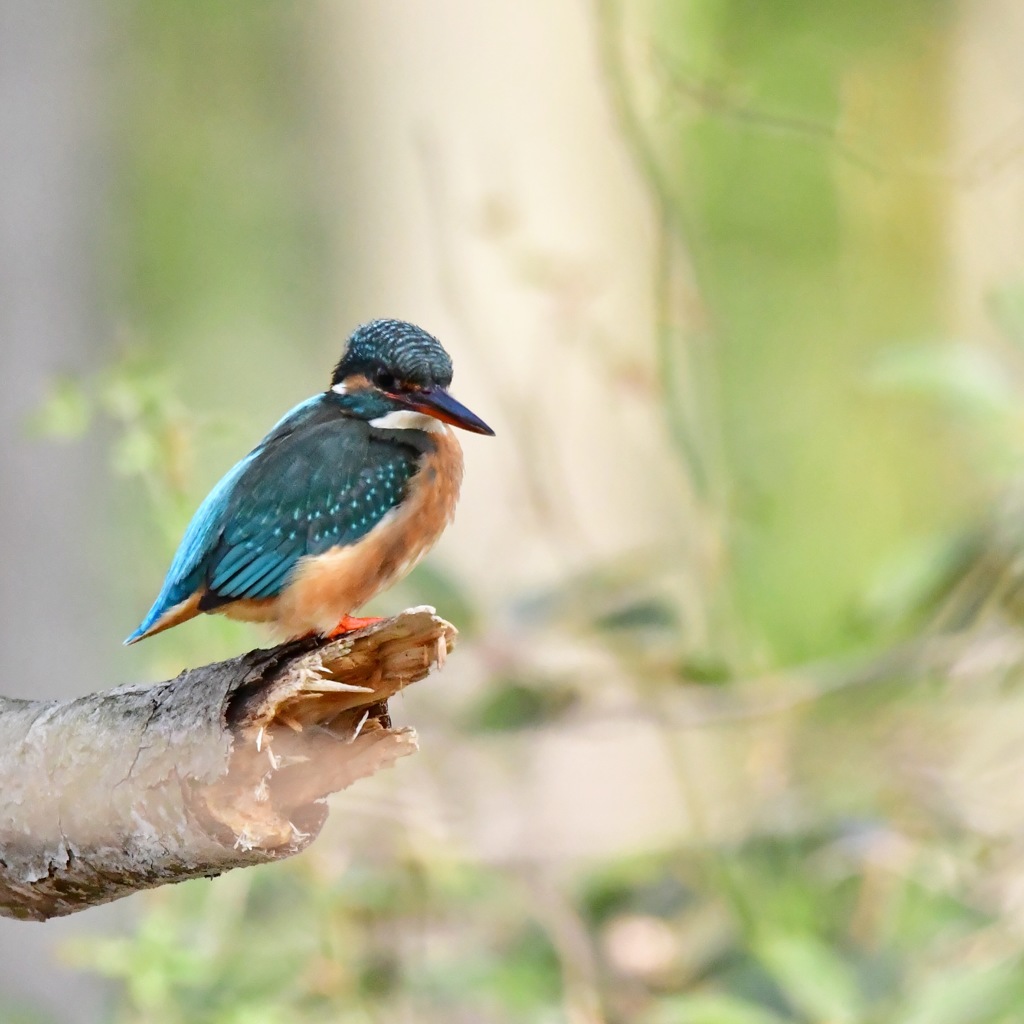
x=224 y=767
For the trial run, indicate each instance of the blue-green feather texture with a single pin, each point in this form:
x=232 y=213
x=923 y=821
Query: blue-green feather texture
x=318 y=480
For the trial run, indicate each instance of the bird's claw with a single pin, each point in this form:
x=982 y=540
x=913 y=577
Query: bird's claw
x=349 y=624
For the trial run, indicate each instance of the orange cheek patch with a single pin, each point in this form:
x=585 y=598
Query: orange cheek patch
x=356 y=382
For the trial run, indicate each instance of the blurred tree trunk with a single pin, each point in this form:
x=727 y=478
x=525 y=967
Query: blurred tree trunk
x=51 y=205
x=988 y=139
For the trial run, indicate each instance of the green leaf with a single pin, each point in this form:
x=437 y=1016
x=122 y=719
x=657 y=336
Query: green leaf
x=964 y=996
x=647 y=613
x=65 y=413
x=709 y=1009
x=966 y=376
x=815 y=979
x=136 y=452
x=919 y=570
x=510 y=704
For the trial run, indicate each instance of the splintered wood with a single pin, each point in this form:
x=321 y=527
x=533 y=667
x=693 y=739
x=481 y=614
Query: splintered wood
x=320 y=725
x=364 y=668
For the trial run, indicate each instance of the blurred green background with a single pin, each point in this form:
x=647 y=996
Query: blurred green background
x=732 y=733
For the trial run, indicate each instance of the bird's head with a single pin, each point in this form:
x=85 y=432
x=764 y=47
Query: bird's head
x=392 y=372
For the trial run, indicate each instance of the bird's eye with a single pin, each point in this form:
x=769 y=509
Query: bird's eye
x=385 y=381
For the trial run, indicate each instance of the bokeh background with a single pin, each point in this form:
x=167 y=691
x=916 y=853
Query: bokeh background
x=735 y=730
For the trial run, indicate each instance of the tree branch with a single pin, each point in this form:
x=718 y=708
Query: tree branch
x=224 y=767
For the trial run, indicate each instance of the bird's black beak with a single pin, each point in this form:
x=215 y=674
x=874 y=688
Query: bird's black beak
x=438 y=403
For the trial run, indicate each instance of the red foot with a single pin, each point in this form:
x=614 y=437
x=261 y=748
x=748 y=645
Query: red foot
x=350 y=623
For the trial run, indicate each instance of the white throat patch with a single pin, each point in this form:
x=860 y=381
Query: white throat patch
x=407 y=419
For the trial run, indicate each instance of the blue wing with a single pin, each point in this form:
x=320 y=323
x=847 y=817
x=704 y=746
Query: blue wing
x=317 y=481
x=325 y=489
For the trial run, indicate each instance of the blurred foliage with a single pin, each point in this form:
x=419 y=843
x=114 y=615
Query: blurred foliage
x=809 y=258
x=520 y=704
x=858 y=463
x=152 y=440
x=848 y=926
x=217 y=237
x=273 y=946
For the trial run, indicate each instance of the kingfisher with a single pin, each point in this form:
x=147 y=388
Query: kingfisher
x=339 y=501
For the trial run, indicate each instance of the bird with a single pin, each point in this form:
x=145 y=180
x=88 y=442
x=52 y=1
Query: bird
x=338 y=502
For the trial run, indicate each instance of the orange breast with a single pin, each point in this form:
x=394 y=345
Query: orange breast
x=324 y=588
